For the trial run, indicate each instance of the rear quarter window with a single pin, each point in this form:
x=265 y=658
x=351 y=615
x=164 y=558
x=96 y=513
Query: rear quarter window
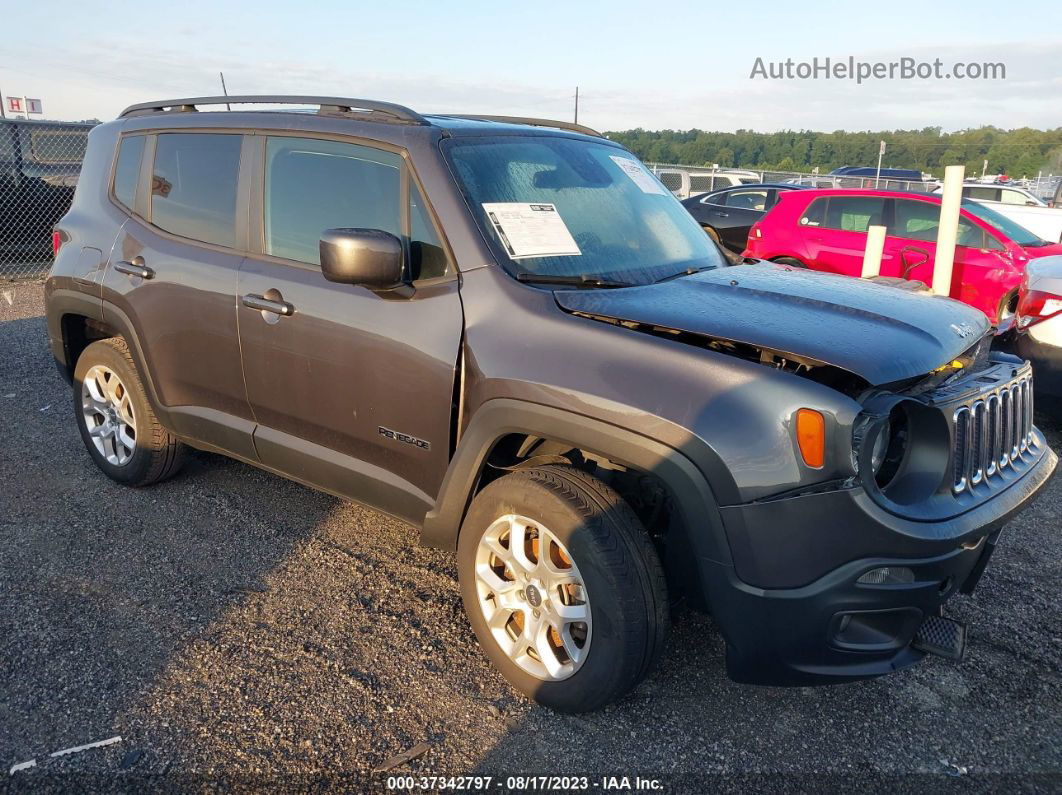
x=127 y=170
x=815 y=213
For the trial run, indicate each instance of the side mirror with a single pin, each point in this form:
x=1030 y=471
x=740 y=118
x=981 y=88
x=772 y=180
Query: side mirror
x=368 y=257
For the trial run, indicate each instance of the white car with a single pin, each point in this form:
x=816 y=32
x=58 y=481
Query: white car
x=1020 y=206
x=687 y=182
x=1039 y=323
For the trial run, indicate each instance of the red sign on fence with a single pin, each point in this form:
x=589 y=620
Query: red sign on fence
x=16 y=105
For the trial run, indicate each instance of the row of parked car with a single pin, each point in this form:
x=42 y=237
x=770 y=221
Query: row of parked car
x=826 y=230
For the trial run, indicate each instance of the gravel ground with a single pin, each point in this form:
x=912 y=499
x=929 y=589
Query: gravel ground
x=236 y=629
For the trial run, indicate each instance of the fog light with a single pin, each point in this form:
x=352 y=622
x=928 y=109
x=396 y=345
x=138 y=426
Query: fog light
x=889 y=575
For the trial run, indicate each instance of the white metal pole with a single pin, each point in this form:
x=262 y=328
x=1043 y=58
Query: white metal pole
x=881 y=152
x=872 y=254
x=948 y=231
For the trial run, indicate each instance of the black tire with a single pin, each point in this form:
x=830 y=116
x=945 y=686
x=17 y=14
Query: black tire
x=792 y=263
x=624 y=581
x=158 y=454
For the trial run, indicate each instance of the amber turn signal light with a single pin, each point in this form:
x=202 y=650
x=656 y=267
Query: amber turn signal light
x=811 y=437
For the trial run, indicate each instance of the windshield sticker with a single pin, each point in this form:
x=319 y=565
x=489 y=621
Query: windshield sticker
x=531 y=230
x=639 y=176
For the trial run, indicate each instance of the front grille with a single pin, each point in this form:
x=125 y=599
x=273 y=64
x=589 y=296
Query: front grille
x=992 y=433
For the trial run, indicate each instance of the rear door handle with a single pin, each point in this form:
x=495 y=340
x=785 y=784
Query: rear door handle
x=268 y=305
x=135 y=267
x=721 y=215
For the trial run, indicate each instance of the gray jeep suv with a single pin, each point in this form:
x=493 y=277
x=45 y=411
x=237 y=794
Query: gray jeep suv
x=508 y=333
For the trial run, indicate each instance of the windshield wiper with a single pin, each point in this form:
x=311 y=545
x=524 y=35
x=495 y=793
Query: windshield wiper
x=687 y=272
x=581 y=280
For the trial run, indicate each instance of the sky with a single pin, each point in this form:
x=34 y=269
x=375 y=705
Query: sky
x=664 y=65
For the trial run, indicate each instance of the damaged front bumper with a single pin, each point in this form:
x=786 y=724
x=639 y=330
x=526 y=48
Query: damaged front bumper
x=806 y=600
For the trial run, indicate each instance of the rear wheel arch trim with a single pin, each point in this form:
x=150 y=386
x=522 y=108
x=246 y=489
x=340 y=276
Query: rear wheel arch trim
x=501 y=417
x=65 y=303
x=62 y=304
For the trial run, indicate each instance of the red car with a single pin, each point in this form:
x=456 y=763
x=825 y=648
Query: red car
x=826 y=230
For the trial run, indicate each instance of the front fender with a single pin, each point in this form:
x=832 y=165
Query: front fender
x=497 y=418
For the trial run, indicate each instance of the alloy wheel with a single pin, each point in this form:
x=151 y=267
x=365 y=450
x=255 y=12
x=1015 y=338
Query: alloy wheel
x=107 y=408
x=533 y=598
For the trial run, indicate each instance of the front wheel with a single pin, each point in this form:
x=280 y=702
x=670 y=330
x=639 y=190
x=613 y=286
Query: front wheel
x=562 y=586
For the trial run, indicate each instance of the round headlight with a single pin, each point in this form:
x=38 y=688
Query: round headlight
x=881 y=446
x=902 y=449
x=889 y=446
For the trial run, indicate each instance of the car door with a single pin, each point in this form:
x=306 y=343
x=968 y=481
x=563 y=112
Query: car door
x=171 y=279
x=352 y=390
x=911 y=240
x=980 y=266
x=741 y=208
x=837 y=240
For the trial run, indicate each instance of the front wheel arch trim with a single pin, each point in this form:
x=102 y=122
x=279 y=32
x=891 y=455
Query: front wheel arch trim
x=501 y=417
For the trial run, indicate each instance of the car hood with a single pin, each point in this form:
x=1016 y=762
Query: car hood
x=1050 y=250
x=879 y=333
x=1045 y=272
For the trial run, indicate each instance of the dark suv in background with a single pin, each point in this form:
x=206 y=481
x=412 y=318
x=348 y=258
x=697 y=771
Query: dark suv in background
x=39 y=165
x=510 y=334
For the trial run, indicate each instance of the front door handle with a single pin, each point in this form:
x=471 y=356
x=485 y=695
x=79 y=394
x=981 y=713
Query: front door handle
x=277 y=307
x=135 y=267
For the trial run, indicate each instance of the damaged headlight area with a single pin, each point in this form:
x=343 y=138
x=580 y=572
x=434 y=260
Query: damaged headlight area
x=901 y=448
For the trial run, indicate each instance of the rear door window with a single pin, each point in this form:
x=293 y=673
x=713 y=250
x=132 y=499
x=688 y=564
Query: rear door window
x=127 y=170
x=981 y=194
x=1014 y=197
x=313 y=185
x=193 y=185
x=854 y=213
x=752 y=199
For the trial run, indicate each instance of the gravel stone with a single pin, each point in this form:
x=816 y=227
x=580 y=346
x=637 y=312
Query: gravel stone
x=240 y=630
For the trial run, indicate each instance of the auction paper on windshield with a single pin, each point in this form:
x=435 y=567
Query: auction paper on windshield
x=531 y=230
x=639 y=176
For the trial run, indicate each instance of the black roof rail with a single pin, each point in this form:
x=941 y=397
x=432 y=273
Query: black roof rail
x=325 y=105
x=560 y=125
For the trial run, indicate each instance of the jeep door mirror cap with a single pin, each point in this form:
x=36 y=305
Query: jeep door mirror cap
x=370 y=258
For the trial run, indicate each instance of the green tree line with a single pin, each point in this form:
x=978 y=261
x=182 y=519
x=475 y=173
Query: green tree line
x=1020 y=153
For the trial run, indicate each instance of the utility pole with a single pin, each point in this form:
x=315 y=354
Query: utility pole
x=224 y=90
x=577 y=104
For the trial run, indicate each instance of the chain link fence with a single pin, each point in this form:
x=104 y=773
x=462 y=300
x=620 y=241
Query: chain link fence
x=39 y=166
x=685 y=180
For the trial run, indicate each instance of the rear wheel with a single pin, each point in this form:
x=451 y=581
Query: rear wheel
x=117 y=424
x=562 y=586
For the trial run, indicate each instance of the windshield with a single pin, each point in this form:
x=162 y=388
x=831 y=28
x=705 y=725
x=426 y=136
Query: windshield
x=559 y=207
x=1019 y=234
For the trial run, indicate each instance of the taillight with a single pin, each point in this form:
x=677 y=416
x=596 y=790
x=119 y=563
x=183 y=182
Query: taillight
x=57 y=242
x=1036 y=306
